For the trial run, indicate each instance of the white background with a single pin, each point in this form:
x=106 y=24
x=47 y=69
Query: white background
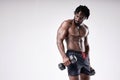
x=28 y=29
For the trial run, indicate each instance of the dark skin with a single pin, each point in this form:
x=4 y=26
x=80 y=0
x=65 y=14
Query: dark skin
x=75 y=34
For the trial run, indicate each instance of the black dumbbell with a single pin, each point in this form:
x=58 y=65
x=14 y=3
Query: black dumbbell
x=72 y=58
x=92 y=72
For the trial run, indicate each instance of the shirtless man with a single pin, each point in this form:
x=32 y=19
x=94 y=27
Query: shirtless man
x=75 y=33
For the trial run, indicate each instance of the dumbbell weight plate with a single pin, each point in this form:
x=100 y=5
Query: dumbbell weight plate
x=61 y=66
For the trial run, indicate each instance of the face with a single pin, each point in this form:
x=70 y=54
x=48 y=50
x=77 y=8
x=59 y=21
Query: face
x=79 y=17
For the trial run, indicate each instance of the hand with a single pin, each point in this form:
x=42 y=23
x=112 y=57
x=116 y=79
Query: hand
x=66 y=61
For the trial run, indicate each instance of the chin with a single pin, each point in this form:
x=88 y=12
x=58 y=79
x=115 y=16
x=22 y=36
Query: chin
x=78 y=23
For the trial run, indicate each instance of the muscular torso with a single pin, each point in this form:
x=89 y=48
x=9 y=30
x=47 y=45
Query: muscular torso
x=75 y=36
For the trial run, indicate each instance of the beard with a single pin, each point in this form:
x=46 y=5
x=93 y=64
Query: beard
x=77 y=23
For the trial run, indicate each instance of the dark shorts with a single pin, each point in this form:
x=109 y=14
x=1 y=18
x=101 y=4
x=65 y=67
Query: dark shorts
x=81 y=66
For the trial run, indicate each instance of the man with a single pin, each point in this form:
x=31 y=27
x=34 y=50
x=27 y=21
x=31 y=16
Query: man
x=75 y=33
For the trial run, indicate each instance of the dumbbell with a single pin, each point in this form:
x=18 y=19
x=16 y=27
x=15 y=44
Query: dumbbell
x=92 y=72
x=72 y=58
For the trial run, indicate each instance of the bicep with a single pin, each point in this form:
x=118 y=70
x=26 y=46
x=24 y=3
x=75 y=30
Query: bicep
x=86 y=38
x=62 y=31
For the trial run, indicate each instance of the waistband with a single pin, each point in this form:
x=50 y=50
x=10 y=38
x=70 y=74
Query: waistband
x=74 y=51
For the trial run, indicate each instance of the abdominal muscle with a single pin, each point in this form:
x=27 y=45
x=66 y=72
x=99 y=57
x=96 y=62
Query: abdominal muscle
x=74 y=43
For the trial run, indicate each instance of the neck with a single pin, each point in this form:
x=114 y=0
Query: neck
x=77 y=24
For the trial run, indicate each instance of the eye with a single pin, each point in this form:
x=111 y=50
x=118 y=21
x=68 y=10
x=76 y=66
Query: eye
x=81 y=17
x=77 y=16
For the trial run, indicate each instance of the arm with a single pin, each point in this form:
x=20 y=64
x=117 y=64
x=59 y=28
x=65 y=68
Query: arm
x=86 y=41
x=87 y=48
x=61 y=35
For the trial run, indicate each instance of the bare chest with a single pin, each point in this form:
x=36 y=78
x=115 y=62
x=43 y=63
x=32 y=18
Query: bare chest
x=78 y=32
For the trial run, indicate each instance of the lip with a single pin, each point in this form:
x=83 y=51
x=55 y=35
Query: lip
x=78 y=22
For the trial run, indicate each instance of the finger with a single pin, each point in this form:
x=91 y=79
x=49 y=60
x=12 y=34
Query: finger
x=68 y=63
x=65 y=64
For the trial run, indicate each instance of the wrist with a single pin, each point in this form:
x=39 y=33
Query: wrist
x=86 y=52
x=64 y=56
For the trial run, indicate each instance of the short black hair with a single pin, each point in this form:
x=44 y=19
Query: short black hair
x=84 y=9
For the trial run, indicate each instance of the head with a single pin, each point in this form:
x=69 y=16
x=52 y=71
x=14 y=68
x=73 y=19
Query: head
x=81 y=13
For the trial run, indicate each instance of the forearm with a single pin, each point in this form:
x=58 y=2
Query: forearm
x=87 y=48
x=61 y=48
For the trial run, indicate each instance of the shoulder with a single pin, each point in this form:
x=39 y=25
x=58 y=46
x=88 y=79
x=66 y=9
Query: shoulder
x=63 y=29
x=84 y=25
x=66 y=24
x=86 y=28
